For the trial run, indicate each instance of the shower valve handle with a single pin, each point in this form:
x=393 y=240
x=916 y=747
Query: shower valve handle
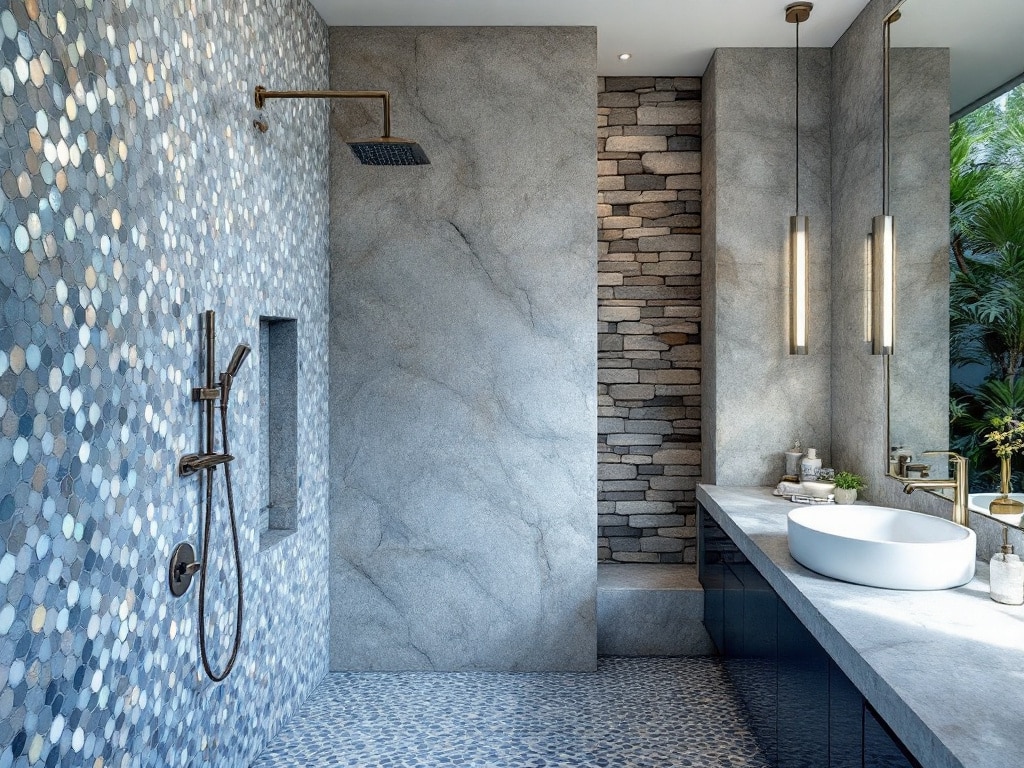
x=189 y=569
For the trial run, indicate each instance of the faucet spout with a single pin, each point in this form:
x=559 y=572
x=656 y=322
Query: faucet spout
x=958 y=484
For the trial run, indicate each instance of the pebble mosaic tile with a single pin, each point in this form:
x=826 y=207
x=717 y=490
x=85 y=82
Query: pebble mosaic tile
x=630 y=713
x=134 y=194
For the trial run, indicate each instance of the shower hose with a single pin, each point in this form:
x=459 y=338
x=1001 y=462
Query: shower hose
x=206 y=558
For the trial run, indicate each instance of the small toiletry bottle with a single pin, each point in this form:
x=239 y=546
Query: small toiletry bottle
x=1006 y=575
x=793 y=456
x=810 y=466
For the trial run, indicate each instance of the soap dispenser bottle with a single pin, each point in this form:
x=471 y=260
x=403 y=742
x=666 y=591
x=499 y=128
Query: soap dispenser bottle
x=810 y=466
x=1006 y=575
x=793 y=457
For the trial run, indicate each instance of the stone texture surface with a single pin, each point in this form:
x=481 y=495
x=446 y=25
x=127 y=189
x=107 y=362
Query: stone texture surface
x=630 y=713
x=141 y=197
x=860 y=440
x=648 y=319
x=911 y=654
x=757 y=398
x=650 y=610
x=919 y=183
x=463 y=360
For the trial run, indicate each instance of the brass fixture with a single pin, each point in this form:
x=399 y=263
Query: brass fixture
x=958 y=484
x=382 y=150
x=1003 y=504
x=796 y=13
x=184 y=564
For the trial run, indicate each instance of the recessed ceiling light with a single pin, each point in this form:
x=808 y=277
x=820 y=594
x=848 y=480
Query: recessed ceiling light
x=625 y=56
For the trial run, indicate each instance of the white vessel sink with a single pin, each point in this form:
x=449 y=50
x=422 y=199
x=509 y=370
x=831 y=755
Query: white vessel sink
x=978 y=502
x=882 y=547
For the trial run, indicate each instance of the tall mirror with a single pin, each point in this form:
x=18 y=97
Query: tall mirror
x=956 y=191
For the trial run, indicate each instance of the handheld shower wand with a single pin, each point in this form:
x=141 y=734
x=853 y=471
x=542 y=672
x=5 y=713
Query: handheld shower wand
x=181 y=569
x=227 y=378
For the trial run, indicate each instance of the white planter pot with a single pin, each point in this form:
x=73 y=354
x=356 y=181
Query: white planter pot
x=845 y=495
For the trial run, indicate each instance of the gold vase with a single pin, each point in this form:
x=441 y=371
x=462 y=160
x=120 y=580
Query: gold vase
x=1004 y=505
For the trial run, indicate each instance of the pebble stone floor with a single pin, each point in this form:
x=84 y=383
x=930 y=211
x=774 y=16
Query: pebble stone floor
x=655 y=713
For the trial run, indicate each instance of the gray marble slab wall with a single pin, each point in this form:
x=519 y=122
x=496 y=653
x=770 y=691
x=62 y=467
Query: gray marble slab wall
x=858 y=416
x=463 y=353
x=919 y=188
x=859 y=412
x=757 y=398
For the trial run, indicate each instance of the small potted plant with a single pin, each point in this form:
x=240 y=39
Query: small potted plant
x=1008 y=439
x=847 y=485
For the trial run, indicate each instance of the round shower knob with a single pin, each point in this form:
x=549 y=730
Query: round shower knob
x=182 y=568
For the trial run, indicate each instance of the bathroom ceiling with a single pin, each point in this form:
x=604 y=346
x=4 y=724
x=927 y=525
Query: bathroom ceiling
x=665 y=37
x=983 y=37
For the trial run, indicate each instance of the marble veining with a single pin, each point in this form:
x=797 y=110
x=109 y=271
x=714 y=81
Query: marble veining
x=463 y=353
x=931 y=663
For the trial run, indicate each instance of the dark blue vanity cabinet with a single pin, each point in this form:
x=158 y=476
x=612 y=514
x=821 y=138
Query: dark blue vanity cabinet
x=803 y=710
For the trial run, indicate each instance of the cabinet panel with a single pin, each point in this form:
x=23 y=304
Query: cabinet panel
x=803 y=710
x=845 y=721
x=760 y=640
x=881 y=747
x=803 y=695
x=732 y=615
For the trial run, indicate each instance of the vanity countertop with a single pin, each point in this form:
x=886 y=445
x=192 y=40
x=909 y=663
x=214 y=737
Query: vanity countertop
x=944 y=669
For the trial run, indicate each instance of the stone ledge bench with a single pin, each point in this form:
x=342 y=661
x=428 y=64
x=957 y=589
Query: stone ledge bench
x=650 y=610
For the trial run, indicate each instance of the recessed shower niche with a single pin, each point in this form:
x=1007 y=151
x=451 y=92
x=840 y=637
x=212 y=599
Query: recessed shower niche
x=279 y=366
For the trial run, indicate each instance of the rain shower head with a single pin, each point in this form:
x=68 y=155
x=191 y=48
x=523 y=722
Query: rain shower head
x=388 y=150
x=384 y=150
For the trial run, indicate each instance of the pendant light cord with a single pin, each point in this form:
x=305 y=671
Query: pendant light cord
x=796 y=161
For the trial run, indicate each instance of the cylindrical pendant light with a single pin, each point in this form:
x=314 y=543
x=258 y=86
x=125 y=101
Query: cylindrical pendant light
x=883 y=235
x=798 y=225
x=798 y=285
x=883 y=285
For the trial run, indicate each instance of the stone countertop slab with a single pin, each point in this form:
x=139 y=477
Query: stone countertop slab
x=945 y=669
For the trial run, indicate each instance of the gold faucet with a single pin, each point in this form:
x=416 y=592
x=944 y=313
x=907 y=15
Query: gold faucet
x=958 y=483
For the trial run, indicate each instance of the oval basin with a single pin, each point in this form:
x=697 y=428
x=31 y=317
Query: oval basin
x=882 y=547
x=979 y=502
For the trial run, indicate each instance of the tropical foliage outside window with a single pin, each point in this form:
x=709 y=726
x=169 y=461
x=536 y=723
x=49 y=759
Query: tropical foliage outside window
x=986 y=296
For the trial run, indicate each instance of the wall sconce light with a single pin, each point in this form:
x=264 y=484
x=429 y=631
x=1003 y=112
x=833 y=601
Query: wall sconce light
x=883 y=285
x=798 y=225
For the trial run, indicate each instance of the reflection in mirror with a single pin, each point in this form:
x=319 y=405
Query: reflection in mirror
x=955 y=194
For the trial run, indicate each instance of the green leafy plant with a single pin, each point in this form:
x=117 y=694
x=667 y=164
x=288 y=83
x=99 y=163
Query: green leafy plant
x=1007 y=436
x=849 y=481
x=986 y=292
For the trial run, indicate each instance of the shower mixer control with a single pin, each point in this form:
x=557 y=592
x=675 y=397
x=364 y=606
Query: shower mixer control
x=182 y=568
x=212 y=396
x=203 y=393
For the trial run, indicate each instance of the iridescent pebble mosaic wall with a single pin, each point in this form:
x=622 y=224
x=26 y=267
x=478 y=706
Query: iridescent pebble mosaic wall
x=135 y=195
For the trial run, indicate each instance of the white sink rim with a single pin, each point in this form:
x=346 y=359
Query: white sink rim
x=974 y=506
x=848 y=542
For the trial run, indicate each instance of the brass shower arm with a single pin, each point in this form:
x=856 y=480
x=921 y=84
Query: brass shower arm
x=261 y=94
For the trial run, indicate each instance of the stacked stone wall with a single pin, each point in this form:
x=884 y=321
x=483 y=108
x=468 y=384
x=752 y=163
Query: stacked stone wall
x=649 y=351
